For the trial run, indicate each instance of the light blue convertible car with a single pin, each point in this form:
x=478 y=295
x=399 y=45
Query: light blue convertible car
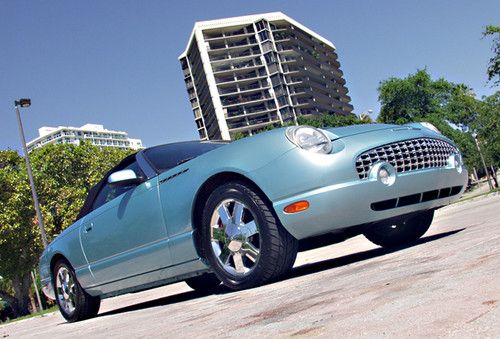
x=237 y=213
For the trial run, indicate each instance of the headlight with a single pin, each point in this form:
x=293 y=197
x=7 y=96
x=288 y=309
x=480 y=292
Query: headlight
x=430 y=126
x=455 y=161
x=309 y=138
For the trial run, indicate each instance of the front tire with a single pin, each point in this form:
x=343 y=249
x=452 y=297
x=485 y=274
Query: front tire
x=403 y=231
x=74 y=303
x=242 y=238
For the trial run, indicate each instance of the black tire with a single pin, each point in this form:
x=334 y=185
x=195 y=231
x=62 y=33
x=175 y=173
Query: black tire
x=78 y=305
x=206 y=283
x=259 y=249
x=402 y=231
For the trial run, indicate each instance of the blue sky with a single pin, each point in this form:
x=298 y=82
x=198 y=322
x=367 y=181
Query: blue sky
x=115 y=62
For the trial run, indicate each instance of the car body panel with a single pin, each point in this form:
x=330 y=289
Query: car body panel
x=127 y=236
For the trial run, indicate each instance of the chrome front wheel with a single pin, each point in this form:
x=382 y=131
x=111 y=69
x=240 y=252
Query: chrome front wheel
x=241 y=238
x=235 y=237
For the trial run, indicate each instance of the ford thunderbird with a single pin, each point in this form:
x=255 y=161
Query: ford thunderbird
x=212 y=213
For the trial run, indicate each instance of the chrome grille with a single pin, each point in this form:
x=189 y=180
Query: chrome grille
x=407 y=155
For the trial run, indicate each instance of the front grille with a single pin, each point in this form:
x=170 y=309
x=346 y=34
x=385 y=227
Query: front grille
x=407 y=155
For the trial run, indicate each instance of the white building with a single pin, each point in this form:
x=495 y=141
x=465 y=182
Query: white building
x=245 y=73
x=96 y=134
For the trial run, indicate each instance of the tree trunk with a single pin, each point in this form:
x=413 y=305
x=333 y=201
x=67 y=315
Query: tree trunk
x=21 y=285
x=12 y=302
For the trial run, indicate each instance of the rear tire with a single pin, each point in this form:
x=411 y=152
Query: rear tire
x=74 y=303
x=242 y=238
x=206 y=283
x=406 y=230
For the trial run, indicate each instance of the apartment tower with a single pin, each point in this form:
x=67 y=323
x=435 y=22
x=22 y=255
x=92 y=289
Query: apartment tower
x=246 y=73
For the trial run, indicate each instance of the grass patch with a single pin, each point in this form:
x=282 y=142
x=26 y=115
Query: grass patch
x=49 y=310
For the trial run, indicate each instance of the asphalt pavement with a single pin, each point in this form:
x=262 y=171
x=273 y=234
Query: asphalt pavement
x=447 y=285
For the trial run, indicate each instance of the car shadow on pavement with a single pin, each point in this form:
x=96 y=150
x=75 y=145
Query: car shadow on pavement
x=295 y=272
x=360 y=256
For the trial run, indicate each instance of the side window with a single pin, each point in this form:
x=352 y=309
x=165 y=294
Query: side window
x=109 y=192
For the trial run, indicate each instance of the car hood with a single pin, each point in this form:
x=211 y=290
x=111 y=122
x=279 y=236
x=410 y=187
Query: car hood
x=341 y=132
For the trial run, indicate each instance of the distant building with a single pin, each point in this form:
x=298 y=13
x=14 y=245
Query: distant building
x=245 y=73
x=96 y=134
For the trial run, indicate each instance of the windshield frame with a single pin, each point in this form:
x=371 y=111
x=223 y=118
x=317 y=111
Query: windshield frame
x=186 y=159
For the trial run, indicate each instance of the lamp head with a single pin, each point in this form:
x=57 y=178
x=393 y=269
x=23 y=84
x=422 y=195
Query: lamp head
x=24 y=102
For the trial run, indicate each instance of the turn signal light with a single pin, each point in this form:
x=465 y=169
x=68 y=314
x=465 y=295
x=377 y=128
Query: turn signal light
x=298 y=206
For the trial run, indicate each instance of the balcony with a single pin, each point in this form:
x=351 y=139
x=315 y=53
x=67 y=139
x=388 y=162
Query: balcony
x=236 y=67
x=241 y=114
x=233 y=46
x=235 y=55
x=251 y=124
x=252 y=75
x=243 y=89
x=228 y=35
x=232 y=101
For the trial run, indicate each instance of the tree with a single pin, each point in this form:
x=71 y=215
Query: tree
x=493 y=70
x=487 y=126
x=330 y=120
x=451 y=107
x=63 y=176
x=417 y=95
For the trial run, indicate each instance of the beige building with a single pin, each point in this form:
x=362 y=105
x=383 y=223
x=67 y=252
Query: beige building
x=245 y=73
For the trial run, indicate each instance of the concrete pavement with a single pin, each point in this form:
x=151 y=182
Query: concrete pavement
x=447 y=285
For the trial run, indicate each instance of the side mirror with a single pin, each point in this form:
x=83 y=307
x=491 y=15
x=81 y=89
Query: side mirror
x=124 y=177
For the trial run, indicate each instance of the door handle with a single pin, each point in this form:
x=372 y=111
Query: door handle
x=88 y=228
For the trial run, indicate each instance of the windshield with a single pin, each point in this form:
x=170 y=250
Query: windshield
x=165 y=157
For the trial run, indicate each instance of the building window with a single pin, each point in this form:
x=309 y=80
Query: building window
x=270 y=57
x=264 y=35
x=267 y=46
x=276 y=79
x=261 y=25
x=282 y=100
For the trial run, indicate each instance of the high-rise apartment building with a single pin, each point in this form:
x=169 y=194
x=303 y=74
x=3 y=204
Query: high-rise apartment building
x=245 y=73
x=96 y=134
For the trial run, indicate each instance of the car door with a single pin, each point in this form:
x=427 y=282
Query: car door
x=125 y=234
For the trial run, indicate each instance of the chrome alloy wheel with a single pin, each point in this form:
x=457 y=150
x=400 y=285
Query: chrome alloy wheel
x=235 y=237
x=65 y=290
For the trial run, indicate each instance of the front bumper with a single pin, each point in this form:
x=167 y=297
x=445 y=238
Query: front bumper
x=352 y=203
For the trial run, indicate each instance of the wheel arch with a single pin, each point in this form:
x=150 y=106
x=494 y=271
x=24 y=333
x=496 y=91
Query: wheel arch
x=204 y=192
x=55 y=258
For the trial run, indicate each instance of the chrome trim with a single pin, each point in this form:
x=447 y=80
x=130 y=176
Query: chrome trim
x=234 y=236
x=407 y=155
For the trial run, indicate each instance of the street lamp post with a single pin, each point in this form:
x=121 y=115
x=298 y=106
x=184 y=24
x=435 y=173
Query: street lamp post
x=27 y=103
x=474 y=135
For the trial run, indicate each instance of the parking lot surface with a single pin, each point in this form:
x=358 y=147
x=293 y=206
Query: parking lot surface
x=447 y=285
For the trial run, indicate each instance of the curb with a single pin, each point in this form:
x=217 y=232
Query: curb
x=476 y=198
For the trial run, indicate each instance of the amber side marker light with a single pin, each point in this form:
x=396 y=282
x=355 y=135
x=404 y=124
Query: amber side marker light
x=298 y=206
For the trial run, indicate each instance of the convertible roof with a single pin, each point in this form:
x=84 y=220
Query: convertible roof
x=87 y=205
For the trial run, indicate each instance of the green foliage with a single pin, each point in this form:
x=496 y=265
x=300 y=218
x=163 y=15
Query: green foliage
x=328 y=120
x=487 y=126
x=419 y=98
x=464 y=141
x=63 y=176
x=405 y=100
x=493 y=70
